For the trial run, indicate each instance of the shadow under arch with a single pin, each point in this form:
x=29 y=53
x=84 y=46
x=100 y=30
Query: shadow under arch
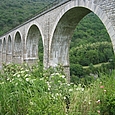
x=17 y=49
x=4 y=51
x=9 y=50
x=34 y=45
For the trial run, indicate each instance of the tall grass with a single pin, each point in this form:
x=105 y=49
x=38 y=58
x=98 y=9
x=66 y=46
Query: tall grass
x=32 y=91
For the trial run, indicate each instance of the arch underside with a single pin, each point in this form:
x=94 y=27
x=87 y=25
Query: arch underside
x=9 y=50
x=17 y=53
x=4 y=51
x=32 y=44
x=62 y=36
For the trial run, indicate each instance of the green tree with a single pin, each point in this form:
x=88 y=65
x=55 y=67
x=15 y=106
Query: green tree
x=76 y=69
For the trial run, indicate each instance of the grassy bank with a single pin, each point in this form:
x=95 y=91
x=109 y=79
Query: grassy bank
x=32 y=91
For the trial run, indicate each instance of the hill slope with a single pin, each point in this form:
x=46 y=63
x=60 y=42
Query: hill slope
x=14 y=12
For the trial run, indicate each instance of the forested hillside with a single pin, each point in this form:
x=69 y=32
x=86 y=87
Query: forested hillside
x=14 y=12
x=90 y=44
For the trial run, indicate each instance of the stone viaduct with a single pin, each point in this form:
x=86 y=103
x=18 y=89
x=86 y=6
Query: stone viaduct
x=55 y=27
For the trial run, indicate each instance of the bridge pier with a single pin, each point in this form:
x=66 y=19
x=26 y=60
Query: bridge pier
x=8 y=58
x=67 y=72
x=4 y=57
x=31 y=61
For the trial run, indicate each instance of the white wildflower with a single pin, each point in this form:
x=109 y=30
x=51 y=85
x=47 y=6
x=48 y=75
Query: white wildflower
x=48 y=89
x=48 y=84
x=56 y=73
x=2 y=83
x=16 y=84
x=41 y=79
x=26 y=75
x=89 y=102
x=70 y=90
x=80 y=89
x=31 y=103
x=8 y=79
x=18 y=75
x=27 y=70
x=15 y=74
x=22 y=72
x=59 y=81
x=68 y=84
x=56 y=94
x=27 y=79
x=64 y=97
x=63 y=76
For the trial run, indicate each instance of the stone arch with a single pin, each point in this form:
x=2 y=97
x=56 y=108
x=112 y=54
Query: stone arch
x=9 y=50
x=17 y=48
x=4 y=46
x=32 y=41
x=4 y=50
x=63 y=34
x=9 y=45
x=39 y=29
x=65 y=24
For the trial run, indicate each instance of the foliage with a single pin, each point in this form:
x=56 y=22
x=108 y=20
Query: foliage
x=98 y=98
x=15 y=12
x=89 y=30
x=91 y=53
x=25 y=92
x=76 y=69
x=99 y=54
x=91 y=45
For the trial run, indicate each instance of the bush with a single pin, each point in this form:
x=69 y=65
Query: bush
x=76 y=69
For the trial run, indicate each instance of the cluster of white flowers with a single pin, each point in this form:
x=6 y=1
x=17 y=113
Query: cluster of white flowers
x=1 y=83
x=70 y=90
x=63 y=76
x=27 y=75
x=28 y=79
x=54 y=74
x=79 y=88
x=49 y=86
x=55 y=96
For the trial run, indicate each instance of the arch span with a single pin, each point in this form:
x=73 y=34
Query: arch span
x=65 y=25
x=63 y=34
x=4 y=51
x=9 y=50
x=17 y=48
x=32 y=42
